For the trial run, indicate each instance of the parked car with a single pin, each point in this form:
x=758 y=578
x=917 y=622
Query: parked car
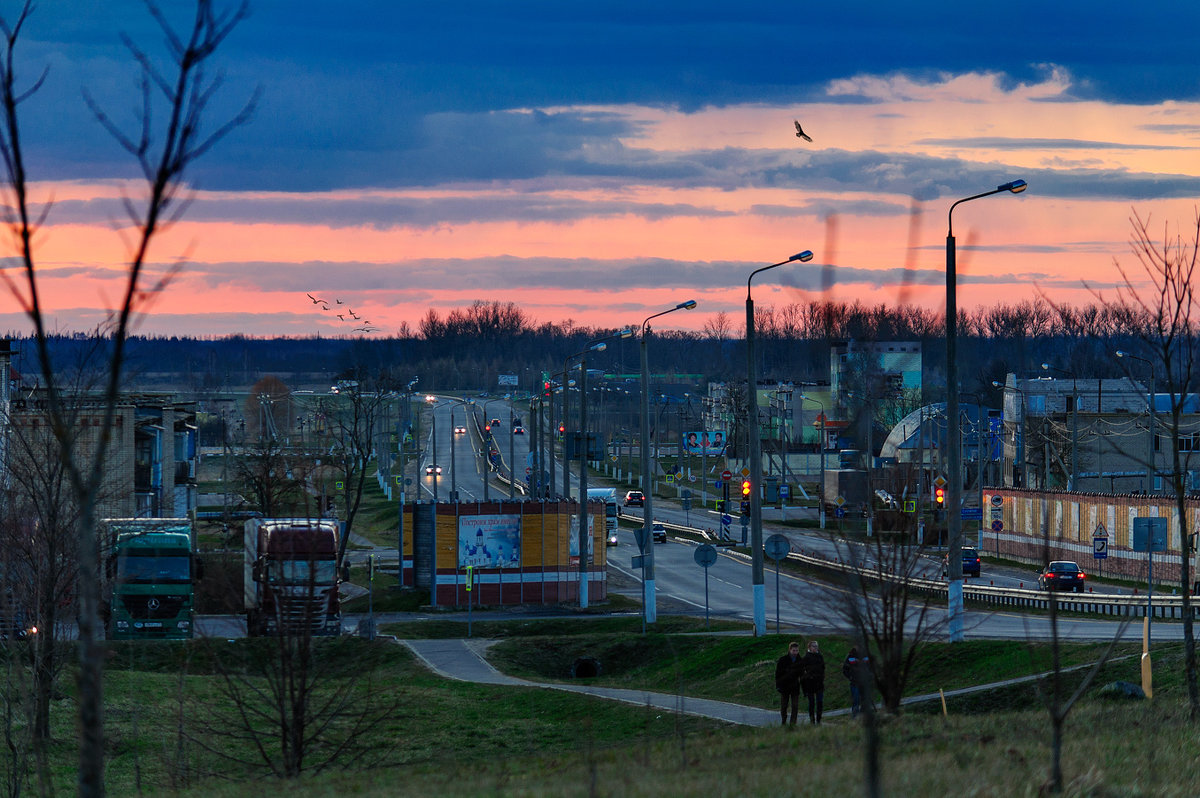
x=433 y=469
x=970 y=562
x=635 y=498
x=1062 y=575
x=658 y=532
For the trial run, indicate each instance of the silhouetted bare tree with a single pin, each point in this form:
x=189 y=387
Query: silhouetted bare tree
x=164 y=146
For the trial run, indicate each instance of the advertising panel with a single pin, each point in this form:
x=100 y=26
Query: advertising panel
x=709 y=442
x=489 y=541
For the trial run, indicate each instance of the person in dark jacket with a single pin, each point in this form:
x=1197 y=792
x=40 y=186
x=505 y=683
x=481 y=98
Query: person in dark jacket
x=787 y=682
x=856 y=669
x=812 y=681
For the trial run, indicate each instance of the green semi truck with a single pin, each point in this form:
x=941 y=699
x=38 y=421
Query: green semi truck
x=150 y=575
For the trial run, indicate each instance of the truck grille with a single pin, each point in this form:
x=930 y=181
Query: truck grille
x=303 y=613
x=153 y=607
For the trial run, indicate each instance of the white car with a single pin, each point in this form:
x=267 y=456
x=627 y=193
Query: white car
x=658 y=532
x=460 y=430
x=433 y=469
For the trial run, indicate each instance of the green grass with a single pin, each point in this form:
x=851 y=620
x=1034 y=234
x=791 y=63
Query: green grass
x=449 y=738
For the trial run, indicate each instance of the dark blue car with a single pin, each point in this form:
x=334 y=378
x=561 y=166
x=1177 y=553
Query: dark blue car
x=970 y=563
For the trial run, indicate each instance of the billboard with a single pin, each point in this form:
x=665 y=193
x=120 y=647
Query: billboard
x=709 y=442
x=489 y=541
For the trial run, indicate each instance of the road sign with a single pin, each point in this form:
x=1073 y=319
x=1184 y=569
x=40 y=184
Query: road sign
x=705 y=555
x=745 y=521
x=939 y=481
x=840 y=512
x=910 y=505
x=1100 y=532
x=997 y=515
x=997 y=526
x=638 y=561
x=678 y=475
x=785 y=491
x=777 y=547
x=727 y=519
x=997 y=501
x=670 y=478
x=1100 y=548
x=745 y=472
x=839 y=501
x=971 y=513
x=1150 y=534
x=687 y=494
x=726 y=475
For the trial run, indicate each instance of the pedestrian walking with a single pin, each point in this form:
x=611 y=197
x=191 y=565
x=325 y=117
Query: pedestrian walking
x=787 y=682
x=856 y=669
x=812 y=681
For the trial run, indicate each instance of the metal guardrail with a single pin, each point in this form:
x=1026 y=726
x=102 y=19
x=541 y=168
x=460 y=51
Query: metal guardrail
x=1163 y=606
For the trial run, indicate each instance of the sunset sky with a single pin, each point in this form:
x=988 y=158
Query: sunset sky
x=600 y=162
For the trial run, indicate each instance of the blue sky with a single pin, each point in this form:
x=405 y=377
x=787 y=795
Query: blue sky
x=509 y=123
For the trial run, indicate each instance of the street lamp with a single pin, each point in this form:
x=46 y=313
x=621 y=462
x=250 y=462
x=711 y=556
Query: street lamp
x=821 y=405
x=453 y=436
x=649 y=603
x=599 y=345
x=1074 y=420
x=1150 y=463
x=954 y=604
x=755 y=445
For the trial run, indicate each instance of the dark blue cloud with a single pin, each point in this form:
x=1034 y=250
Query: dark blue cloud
x=385 y=93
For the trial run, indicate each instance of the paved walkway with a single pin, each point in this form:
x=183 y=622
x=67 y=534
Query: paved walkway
x=465 y=660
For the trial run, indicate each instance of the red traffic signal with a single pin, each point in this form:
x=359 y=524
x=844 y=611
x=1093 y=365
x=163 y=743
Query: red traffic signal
x=545 y=387
x=939 y=495
x=488 y=428
x=745 y=487
x=562 y=428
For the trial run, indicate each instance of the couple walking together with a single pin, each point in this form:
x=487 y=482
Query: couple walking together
x=794 y=673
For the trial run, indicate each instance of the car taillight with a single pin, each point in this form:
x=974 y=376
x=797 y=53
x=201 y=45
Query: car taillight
x=1082 y=575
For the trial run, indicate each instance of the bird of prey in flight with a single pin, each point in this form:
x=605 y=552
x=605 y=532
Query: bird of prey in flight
x=800 y=131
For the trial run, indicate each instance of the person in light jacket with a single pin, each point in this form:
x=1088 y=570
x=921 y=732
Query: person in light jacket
x=812 y=681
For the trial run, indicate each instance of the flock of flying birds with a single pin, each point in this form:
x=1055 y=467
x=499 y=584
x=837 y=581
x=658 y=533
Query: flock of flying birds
x=347 y=315
x=351 y=317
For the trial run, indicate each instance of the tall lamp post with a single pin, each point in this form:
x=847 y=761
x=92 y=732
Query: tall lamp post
x=954 y=604
x=821 y=405
x=1150 y=460
x=598 y=345
x=649 y=603
x=755 y=446
x=1074 y=420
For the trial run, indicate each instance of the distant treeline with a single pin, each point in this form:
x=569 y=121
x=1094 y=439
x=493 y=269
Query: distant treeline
x=469 y=348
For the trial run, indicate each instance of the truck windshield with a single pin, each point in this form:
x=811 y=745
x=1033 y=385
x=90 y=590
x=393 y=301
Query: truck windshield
x=139 y=568
x=301 y=572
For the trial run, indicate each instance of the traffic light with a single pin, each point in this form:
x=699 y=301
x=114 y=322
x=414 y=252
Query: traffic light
x=746 y=488
x=939 y=496
x=562 y=428
x=487 y=428
x=546 y=388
